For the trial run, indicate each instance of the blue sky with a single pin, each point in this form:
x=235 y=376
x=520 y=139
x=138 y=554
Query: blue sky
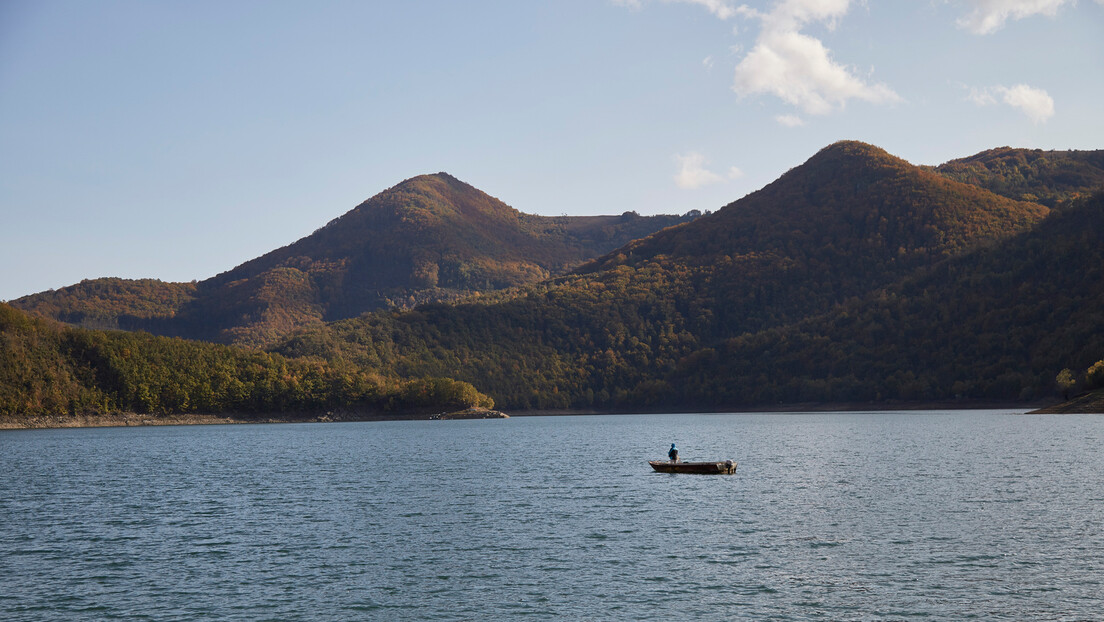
x=175 y=140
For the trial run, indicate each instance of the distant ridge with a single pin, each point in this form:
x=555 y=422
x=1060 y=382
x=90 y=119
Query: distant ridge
x=1047 y=177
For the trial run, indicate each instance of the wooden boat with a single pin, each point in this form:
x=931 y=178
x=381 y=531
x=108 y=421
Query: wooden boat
x=727 y=467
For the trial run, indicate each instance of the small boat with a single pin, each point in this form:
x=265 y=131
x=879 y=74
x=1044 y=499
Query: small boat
x=726 y=467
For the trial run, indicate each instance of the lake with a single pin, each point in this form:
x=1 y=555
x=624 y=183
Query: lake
x=845 y=516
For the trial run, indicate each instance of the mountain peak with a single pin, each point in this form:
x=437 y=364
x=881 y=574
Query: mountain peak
x=434 y=196
x=852 y=199
x=440 y=178
x=852 y=147
x=851 y=157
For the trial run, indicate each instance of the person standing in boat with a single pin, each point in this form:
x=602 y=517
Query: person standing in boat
x=673 y=454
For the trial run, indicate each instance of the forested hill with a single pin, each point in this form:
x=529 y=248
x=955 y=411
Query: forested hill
x=786 y=295
x=850 y=194
x=850 y=219
x=1047 y=177
x=1000 y=322
x=430 y=238
x=47 y=369
x=855 y=277
x=434 y=237
x=112 y=303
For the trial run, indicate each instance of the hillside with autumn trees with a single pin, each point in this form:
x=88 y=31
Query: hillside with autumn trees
x=431 y=238
x=719 y=313
x=1047 y=177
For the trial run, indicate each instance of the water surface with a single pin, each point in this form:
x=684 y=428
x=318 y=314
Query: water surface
x=845 y=516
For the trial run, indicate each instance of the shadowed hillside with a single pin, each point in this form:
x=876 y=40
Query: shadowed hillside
x=996 y=323
x=47 y=369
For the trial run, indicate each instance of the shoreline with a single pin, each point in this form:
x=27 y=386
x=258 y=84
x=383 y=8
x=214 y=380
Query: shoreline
x=128 y=419
x=1091 y=403
x=806 y=407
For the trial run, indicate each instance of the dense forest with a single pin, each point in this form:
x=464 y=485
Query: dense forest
x=997 y=323
x=49 y=369
x=855 y=278
x=1047 y=177
x=430 y=238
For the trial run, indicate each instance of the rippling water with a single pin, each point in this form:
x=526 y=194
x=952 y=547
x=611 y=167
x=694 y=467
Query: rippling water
x=872 y=516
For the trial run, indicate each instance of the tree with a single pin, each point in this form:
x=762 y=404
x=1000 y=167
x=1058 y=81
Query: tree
x=1065 y=382
x=1094 y=375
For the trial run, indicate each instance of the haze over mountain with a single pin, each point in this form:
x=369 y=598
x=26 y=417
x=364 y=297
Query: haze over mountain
x=429 y=238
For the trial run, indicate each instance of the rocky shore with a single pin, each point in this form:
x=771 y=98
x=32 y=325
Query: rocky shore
x=473 y=413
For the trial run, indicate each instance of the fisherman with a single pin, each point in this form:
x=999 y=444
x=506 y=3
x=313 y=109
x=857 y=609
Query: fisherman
x=673 y=454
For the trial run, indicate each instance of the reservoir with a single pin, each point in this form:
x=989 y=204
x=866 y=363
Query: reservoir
x=991 y=515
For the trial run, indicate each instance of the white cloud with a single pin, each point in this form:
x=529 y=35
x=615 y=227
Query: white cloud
x=989 y=16
x=981 y=97
x=1037 y=104
x=793 y=14
x=735 y=173
x=790 y=120
x=796 y=67
x=692 y=172
x=721 y=8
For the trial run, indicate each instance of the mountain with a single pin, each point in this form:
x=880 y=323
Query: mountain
x=430 y=238
x=63 y=373
x=854 y=278
x=1047 y=177
x=848 y=220
x=708 y=314
x=997 y=323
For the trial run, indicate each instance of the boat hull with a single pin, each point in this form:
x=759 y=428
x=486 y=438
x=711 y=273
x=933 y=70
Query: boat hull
x=725 y=467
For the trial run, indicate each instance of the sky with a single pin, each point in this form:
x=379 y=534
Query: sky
x=176 y=140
